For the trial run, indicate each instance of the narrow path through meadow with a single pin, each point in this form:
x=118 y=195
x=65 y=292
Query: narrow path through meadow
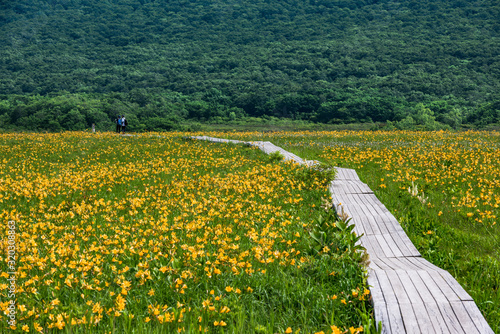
x=409 y=294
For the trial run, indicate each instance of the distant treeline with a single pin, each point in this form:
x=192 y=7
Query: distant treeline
x=65 y=64
x=179 y=112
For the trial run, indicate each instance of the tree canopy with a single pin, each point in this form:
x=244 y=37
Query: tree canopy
x=65 y=63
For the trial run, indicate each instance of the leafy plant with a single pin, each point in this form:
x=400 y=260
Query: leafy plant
x=276 y=156
x=324 y=173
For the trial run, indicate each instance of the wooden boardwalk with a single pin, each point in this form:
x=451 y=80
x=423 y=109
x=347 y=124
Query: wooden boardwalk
x=409 y=294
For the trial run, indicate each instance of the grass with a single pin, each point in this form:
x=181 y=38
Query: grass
x=452 y=217
x=159 y=235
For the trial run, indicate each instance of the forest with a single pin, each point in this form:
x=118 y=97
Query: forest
x=175 y=64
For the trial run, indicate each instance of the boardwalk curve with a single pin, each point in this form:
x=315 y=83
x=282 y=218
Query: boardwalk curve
x=409 y=294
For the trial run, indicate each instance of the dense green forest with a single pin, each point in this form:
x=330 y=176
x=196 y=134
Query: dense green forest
x=65 y=64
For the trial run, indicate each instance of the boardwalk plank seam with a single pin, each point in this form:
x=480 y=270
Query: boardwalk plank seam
x=409 y=294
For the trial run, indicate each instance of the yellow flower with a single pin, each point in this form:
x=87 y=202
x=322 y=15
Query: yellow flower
x=26 y=328
x=335 y=330
x=38 y=328
x=219 y=323
x=288 y=330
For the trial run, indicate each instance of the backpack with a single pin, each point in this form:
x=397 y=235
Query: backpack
x=119 y=121
x=126 y=122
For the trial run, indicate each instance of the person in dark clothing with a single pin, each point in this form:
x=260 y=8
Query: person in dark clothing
x=118 y=122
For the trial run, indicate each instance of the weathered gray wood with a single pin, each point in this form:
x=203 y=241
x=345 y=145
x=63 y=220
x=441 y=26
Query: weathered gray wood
x=396 y=251
x=437 y=318
x=405 y=244
x=425 y=265
x=395 y=318
x=386 y=288
x=423 y=319
x=450 y=318
x=464 y=318
x=375 y=289
x=435 y=291
x=346 y=174
x=477 y=317
x=390 y=223
x=397 y=286
x=381 y=315
x=409 y=319
x=375 y=248
x=457 y=288
x=443 y=286
x=409 y=287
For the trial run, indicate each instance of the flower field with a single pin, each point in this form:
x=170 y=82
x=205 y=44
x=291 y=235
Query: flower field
x=103 y=233
x=443 y=187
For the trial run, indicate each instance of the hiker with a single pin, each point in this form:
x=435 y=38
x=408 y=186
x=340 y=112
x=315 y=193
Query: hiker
x=124 y=123
x=119 y=124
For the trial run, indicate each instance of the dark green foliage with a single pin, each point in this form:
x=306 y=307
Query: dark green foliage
x=330 y=61
x=275 y=156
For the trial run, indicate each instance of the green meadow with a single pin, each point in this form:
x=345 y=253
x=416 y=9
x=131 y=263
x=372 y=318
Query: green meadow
x=159 y=235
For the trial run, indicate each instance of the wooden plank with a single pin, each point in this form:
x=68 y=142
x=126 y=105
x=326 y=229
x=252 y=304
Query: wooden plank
x=381 y=315
x=370 y=249
x=464 y=318
x=477 y=317
x=374 y=265
x=373 y=200
x=396 y=251
x=355 y=212
x=352 y=186
x=443 y=286
x=423 y=264
x=375 y=249
x=409 y=319
x=386 y=288
x=346 y=174
x=427 y=302
x=437 y=319
x=398 y=288
x=359 y=226
x=369 y=225
x=411 y=250
x=450 y=318
x=363 y=214
x=400 y=263
x=409 y=287
x=381 y=263
x=435 y=291
x=395 y=239
x=403 y=244
x=422 y=288
x=425 y=323
x=390 y=222
x=375 y=290
x=452 y=282
x=361 y=187
x=386 y=249
x=395 y=318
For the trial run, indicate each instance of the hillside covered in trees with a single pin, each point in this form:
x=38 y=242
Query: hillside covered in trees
x=65 y=64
